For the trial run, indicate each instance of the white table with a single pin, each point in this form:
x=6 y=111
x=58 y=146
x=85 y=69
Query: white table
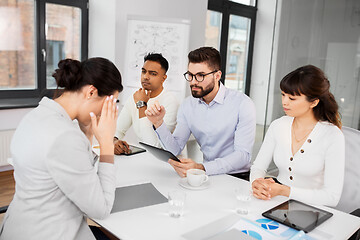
x=201 y=207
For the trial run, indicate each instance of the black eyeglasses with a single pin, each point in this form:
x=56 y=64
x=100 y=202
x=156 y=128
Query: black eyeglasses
x=198 y=77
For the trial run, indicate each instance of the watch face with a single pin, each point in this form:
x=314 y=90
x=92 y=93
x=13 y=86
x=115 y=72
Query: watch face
x=140 y=104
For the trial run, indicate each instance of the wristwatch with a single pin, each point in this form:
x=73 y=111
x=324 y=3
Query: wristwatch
x=140 y=104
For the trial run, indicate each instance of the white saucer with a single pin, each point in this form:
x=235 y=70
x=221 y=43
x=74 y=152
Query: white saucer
x=183 y=182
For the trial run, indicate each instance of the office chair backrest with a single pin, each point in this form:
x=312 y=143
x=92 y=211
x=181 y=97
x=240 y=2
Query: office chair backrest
x=350 y=197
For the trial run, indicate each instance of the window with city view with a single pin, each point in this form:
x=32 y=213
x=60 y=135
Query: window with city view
x=31 y=46
x=62 y=31
x=17 y=45
x=230 y=27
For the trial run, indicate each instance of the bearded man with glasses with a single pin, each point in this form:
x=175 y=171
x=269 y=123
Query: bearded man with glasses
x=222 y=120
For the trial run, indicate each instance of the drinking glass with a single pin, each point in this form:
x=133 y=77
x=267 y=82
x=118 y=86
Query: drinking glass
x=243 y=199
x=176 y=203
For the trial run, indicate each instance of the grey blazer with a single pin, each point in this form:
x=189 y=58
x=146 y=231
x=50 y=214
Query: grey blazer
x=57 y=184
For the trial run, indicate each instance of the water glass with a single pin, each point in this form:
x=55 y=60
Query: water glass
x=176 y=203
x=243 y=200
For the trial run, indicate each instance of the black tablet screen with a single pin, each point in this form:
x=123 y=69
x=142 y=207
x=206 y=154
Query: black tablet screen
x=298 y=215
x=159 y=153
x=134 y=150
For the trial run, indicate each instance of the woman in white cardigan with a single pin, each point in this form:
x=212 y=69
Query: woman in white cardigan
x=307 y=145
x=57 y=185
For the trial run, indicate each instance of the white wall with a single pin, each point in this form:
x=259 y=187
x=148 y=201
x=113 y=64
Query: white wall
x=102 y=26
x=10 y=118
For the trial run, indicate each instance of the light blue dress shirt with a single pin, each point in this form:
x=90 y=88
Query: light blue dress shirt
x=224 y=129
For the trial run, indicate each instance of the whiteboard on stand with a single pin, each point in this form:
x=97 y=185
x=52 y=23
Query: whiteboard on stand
x=170 y=37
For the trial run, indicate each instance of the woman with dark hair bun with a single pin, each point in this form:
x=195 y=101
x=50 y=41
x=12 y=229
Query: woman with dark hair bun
x=307 y=145
x=57 y=184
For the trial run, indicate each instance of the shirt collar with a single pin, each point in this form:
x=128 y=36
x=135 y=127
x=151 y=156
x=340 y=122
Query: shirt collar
x=54 y=106
x=219 y=97
x=160 y=94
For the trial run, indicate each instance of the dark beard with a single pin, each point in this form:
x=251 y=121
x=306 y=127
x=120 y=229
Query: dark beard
x=203 y=92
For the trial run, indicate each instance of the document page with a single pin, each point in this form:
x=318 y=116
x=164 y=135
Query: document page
x=136 y=196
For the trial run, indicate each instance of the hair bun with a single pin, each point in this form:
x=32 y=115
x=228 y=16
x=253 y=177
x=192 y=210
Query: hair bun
x=68 y=74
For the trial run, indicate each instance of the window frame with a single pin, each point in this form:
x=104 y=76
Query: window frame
x=30 y=97
x=227 y=8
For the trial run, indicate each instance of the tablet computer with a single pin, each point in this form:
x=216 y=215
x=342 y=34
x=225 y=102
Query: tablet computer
x=133 y=150
x=298 y=215
x=159 y=153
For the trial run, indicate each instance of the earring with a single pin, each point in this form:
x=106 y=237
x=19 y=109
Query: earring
x=88 y=97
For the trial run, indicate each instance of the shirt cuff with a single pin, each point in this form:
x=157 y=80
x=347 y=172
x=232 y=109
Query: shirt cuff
x=211 y=168
x=161 y=129
x=145 y=120
x=256 y=173
x=107 y=168
x=292 y=193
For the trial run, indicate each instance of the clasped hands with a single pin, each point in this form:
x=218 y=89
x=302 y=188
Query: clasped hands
x=266 y=189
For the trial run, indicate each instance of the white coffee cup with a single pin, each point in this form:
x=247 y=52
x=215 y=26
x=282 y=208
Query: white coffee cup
x=196 y=177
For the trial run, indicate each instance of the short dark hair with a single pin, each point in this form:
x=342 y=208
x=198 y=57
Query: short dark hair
x=72 y=75
x=157 y=57
x=209 y=55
